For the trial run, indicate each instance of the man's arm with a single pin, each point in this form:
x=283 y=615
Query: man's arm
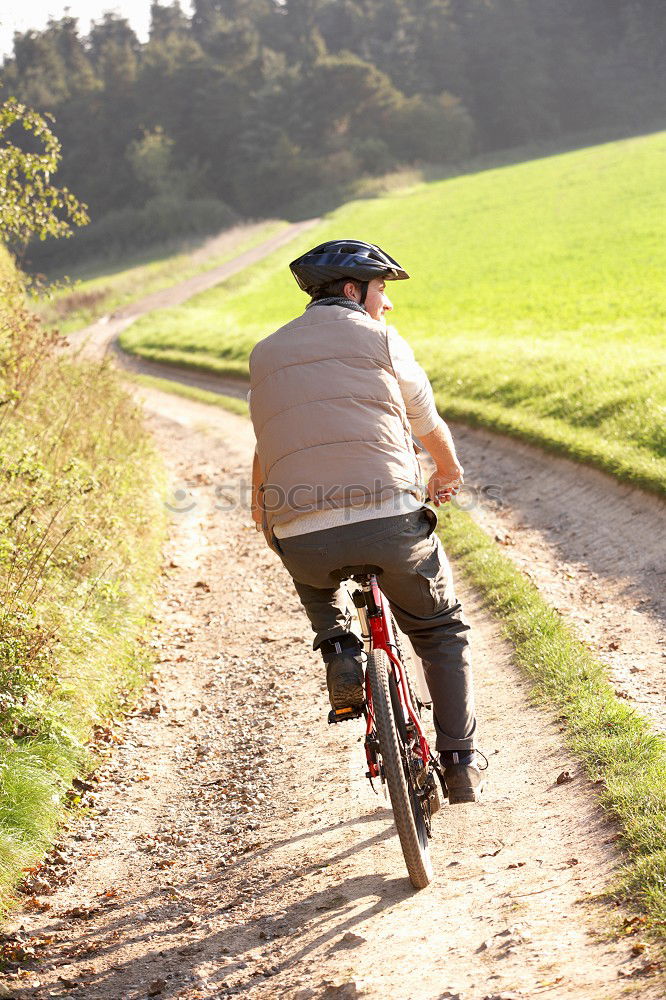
x=256 y=506
x=448 y=475
x=424 y=419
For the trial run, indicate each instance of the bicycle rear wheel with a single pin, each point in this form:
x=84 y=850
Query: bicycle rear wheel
x=407 y=812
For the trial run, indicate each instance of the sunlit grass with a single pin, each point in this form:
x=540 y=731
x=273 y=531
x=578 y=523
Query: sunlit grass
x=537 y=302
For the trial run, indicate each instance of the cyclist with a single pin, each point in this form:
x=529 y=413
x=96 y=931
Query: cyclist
x=334 y=398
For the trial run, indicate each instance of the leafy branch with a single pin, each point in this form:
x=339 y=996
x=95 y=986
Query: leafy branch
x=30 y=205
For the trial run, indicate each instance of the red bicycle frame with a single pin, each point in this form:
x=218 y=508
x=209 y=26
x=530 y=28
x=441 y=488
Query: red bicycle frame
x=381 y=636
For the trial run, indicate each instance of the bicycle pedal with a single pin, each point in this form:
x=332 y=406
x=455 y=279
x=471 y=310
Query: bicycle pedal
x=343 y=714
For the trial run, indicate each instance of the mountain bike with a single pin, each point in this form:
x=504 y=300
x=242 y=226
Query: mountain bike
x=396 y=749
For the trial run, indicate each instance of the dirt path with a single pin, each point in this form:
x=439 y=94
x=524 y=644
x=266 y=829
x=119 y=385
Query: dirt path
x=233 y=847
x=596 y=548
x=94 y=341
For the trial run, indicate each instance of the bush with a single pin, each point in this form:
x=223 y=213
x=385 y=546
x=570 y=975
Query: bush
x=373 y=155
x=123 y=232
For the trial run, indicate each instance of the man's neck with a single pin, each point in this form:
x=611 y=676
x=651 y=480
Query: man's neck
x=337 y=300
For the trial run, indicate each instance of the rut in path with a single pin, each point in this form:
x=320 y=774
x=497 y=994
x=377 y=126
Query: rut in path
x=235 y=848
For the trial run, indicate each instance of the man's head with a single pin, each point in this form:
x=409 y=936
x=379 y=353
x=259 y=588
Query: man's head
x=349 y=268
x=376 y=303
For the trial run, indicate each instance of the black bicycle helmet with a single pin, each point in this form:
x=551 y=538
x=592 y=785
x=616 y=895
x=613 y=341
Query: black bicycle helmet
x=344 y=259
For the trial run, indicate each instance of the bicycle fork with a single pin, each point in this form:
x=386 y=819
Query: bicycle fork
x=377 y=633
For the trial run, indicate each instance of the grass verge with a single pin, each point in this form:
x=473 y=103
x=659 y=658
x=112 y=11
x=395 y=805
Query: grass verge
x=617 y=746
x=81 y=527
x=231 y=403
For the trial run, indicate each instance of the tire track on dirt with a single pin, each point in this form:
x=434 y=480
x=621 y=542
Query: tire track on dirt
x=190 y=884
x=595 y=547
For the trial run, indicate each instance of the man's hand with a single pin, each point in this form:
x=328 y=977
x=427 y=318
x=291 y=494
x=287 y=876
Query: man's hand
x=445 y=483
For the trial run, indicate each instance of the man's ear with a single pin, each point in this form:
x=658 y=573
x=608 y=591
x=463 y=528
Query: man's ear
x=350 y=291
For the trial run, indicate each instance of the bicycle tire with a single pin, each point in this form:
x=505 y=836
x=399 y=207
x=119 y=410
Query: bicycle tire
x=407 y=813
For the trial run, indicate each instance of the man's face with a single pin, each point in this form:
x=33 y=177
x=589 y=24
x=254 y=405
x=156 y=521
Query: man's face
x=377 y=302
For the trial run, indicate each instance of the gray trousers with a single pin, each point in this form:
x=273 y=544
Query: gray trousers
x=417 y=581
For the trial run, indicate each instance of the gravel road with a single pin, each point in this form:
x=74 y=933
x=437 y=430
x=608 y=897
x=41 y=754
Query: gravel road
x=233 y=846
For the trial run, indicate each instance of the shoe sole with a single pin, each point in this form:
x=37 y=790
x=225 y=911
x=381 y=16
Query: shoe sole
x=348 y=696
x=457 y=796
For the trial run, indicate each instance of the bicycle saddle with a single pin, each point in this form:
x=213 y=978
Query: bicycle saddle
x=354 y=572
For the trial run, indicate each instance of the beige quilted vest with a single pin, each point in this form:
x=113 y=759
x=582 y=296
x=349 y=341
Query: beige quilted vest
x=329 y=417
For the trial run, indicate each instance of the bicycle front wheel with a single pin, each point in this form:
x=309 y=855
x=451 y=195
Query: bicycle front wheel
x=407 y=811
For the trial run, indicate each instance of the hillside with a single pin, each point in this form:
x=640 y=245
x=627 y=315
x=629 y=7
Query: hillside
x=537 y=300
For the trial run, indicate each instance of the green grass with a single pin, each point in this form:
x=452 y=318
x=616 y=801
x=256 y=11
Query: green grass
x=537 y=303
x=96 y=291
x=231 y=403
x=617 y=746
x=81 y=527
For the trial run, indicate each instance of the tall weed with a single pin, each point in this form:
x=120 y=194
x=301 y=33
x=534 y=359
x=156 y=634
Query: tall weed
x=79 y=544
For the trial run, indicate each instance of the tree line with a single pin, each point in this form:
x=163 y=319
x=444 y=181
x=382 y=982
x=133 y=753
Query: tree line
x=247 y=105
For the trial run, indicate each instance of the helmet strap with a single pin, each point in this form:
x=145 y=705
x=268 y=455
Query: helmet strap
x=364 y=290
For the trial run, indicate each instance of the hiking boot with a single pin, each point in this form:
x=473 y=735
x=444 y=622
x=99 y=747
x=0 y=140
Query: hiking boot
x=463 y=778
x=344 y=671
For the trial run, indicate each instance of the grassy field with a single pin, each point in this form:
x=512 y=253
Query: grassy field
x=81 y=526
x=95 y=291
x=537 y=303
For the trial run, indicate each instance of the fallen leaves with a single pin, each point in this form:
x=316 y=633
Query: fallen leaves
x=644 y=969
x=153 y=711
x=20 y=947
x=81 y=912
x=34 y=903
x=69 y=984
x=507 y=940
x=634 y=924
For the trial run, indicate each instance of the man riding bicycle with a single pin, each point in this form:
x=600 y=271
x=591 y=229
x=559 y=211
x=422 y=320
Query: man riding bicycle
x=335 y=397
